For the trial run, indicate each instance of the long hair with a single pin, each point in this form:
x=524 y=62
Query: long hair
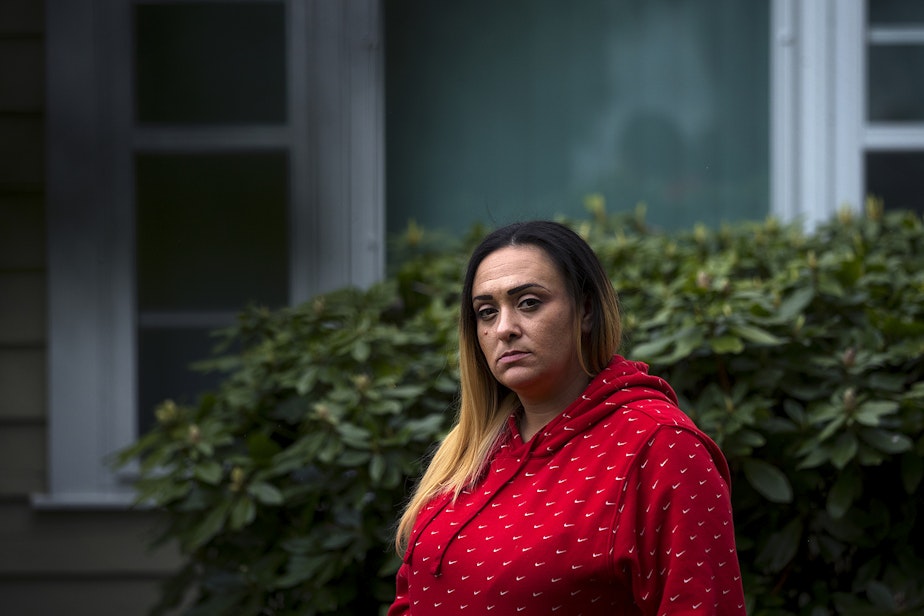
x=484 y=403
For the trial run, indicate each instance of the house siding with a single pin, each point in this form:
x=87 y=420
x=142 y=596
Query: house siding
x=51 y=562
x=78 y=562
x=22 y=251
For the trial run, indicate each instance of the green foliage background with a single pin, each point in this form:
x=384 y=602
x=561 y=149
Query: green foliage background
x=802 y=355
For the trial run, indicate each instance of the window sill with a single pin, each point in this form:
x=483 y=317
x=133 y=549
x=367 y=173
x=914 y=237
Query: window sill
x=86 y=501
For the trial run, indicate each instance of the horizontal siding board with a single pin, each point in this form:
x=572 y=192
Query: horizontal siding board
x=79 y=597
x=22 y=308
x=22 y=381
x=22 y=231
x=22 y=459
x=21 y=74
x=83 y=544
x=22 y=162
x=21 y=16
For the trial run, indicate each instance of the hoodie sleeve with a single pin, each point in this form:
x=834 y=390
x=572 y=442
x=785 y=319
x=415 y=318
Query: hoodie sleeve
x=401 y=604
x=675 y=539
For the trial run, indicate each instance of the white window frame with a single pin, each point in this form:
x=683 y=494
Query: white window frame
x=334 y=139
x=820 y=134
x=894 y=136
x=817 y=108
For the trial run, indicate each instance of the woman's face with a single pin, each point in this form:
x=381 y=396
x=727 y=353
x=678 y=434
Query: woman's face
x=524 y=315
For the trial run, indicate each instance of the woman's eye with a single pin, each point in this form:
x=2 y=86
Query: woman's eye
x=485 y=313
x=529 y=303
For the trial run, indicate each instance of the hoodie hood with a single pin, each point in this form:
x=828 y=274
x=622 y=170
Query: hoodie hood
x=621 y=383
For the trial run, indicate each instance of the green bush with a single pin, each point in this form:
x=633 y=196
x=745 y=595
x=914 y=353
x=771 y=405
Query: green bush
x=802 y=355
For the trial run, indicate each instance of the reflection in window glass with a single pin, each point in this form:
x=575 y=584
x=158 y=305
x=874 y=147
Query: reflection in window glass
x=895 y=12
x=211 y=231
x=898 y=178
x=208 y=63
x=896 y=83
x=662 y=101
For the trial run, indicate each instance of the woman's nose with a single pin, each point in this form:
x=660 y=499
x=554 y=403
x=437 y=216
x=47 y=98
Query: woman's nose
x=508 y=325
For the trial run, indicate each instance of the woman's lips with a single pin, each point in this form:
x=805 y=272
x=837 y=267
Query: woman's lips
x=511 y=356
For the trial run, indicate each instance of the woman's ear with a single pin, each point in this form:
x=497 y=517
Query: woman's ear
x=587 y=316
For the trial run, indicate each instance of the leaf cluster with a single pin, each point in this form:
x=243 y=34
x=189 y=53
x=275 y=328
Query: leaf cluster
x=801 y=354
x=281 y=488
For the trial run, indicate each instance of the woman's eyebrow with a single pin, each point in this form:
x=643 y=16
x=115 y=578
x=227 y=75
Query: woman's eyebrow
x=523 y=287
x=513 y=291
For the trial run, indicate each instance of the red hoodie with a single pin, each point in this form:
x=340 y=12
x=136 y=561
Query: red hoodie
x=620 y=505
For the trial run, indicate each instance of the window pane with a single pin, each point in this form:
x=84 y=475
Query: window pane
x=895 y=12
x=217 y=62
x=517 y=109
x=211 y=231
x=898 y=178
x=896 y=83
x=164 y=360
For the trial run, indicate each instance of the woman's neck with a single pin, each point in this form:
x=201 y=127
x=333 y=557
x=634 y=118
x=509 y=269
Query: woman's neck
x=534 y=415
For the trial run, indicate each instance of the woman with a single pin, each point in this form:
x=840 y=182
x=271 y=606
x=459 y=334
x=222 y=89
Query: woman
x=571 y=483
